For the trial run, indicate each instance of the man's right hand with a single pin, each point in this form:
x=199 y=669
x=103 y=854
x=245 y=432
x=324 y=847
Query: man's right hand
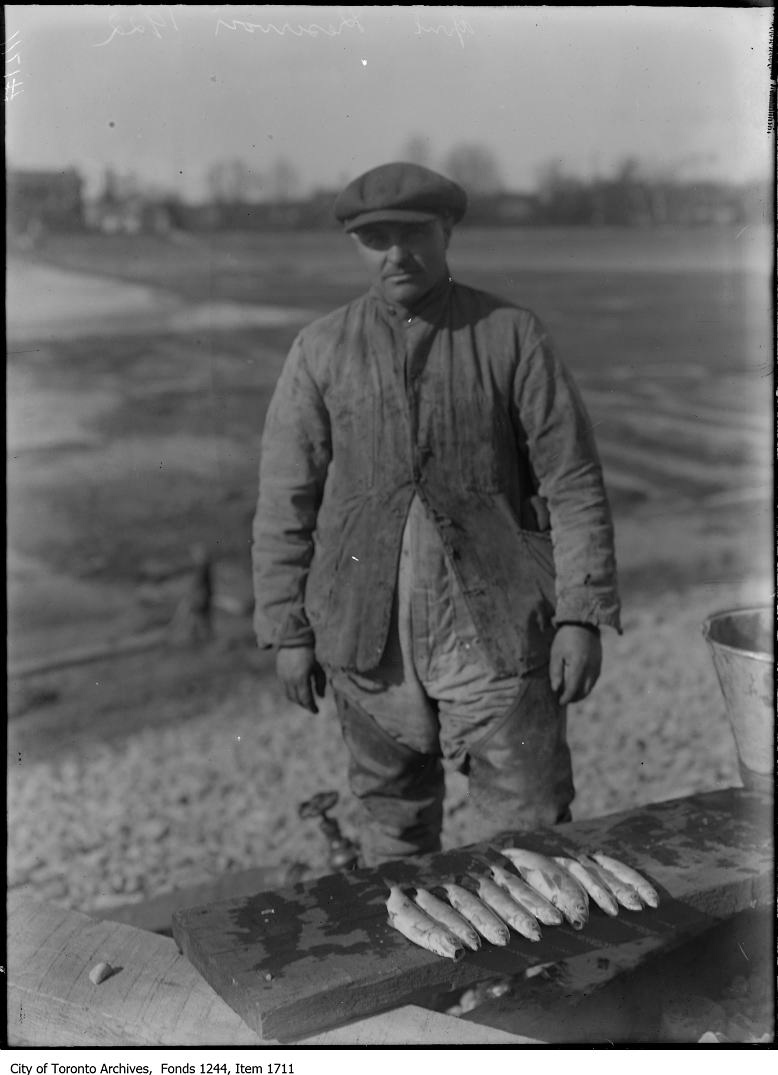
x=301 y=675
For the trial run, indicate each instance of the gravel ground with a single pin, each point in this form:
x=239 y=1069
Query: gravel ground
x=114 y=822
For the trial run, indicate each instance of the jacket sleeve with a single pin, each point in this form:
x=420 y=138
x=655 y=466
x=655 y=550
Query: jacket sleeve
x=565 y=462
x=295 y=455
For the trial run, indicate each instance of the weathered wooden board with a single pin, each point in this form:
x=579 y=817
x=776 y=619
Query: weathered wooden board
x=320 y=953
x=414 y=1025
x=155 y=914
x=156 y=997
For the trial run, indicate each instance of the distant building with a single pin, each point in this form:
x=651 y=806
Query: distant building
x=704 y=203
x=130 y=216
x=125 y=206
x=39 y=201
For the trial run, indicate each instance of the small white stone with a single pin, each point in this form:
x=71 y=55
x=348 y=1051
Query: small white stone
x=100 y=972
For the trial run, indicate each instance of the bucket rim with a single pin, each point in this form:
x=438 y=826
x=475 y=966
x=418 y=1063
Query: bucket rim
x=758 y=655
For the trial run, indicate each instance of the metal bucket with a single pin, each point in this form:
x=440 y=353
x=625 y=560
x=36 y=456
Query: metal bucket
x=741 y=642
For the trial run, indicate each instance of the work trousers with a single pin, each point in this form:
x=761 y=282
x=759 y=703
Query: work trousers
x=434 y=696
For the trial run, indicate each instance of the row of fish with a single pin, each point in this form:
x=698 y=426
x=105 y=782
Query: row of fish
x=542 y=891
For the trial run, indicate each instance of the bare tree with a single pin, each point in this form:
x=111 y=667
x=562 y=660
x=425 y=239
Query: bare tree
x=283 y=181
x=231 y=182
x=553 y=180
x=565 y=198
x=475 y=167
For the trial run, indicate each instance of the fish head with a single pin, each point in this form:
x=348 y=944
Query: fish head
x=453 y=951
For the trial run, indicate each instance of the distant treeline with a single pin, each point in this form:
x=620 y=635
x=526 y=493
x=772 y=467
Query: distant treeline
x=573 y=202
x=53 y=201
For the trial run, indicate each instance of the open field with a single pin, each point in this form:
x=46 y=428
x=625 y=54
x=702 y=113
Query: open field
x=134 y=425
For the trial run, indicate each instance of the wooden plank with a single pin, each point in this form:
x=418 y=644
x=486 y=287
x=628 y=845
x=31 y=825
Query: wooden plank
x=413 y=1025
x=157 y=998
x=156 y=914
x=154 y=999
x=318 y=954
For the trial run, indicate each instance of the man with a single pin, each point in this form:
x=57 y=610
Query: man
x=432 y=531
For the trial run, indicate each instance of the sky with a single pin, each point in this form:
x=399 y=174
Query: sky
x=166 y=91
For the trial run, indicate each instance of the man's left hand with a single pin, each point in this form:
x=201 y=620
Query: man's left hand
x=576 y=659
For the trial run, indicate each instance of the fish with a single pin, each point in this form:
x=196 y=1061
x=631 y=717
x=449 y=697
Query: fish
x=489 y=925
x=417 y=926
x=601 y=895
x=531 y=900
x=507 y=908
x=445 y=914
x=625 y=873
x=625 y=894
x=556 y=884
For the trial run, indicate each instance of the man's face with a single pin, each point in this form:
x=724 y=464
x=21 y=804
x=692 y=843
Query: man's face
x=404 y=261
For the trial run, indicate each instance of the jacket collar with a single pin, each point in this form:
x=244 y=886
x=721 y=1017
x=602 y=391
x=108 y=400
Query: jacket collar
x=428 y=309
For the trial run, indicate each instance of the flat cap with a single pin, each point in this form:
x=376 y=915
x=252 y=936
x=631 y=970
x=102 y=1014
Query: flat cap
x=401 y=192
